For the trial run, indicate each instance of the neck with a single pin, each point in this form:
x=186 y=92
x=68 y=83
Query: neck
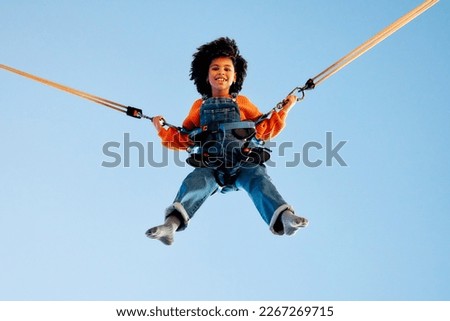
x=221 y=94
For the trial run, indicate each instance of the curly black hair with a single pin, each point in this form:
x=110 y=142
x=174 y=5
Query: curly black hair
x=221 y=47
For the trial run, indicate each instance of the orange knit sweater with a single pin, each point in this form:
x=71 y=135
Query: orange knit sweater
x=265 y=130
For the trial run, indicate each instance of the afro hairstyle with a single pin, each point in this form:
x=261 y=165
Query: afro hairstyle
x=221 y=47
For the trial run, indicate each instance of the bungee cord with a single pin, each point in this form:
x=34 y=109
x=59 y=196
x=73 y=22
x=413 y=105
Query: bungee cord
x=96 y=99
x=299 y=90
x=129 y=110
x=352 y=55
x=372 y=42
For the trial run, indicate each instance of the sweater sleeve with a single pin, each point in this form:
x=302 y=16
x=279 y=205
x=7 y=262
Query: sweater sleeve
x=265 y=130
x=268 y=128
x=173 y=139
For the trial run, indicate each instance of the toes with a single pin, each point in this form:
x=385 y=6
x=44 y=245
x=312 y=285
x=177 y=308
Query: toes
x=152 y=233
x=301 y=222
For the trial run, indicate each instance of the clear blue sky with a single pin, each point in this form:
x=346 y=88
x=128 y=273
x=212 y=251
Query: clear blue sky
x=71 y=229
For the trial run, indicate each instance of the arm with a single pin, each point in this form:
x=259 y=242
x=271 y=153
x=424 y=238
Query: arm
x=272 y=126
x=173 y=138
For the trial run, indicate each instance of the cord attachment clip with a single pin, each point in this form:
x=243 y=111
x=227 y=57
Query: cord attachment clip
x=134 y=112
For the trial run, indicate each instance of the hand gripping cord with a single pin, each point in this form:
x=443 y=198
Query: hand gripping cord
x=355 y=53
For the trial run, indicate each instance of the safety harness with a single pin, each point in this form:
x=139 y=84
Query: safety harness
x=224 y=142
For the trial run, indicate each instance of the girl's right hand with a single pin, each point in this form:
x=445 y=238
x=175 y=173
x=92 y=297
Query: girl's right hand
x=158 y=122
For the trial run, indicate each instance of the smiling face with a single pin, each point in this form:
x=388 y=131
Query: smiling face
x=221 y=75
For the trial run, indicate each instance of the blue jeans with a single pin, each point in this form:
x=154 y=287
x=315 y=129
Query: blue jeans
x=201 y=183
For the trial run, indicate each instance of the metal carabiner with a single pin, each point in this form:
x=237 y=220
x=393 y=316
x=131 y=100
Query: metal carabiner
x=308 y=86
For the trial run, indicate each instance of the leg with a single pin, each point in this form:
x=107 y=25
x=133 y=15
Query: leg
x=273 y=208
x=193 y=192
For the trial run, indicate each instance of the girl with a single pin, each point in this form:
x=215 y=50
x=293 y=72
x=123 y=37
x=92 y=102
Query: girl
x=224 y=126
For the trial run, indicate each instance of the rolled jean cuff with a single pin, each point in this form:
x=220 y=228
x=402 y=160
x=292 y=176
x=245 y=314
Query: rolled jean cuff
x=181 y=214
x=276 y=215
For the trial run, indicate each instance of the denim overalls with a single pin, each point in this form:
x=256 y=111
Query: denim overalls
x=220 y=141
x=227 y=170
